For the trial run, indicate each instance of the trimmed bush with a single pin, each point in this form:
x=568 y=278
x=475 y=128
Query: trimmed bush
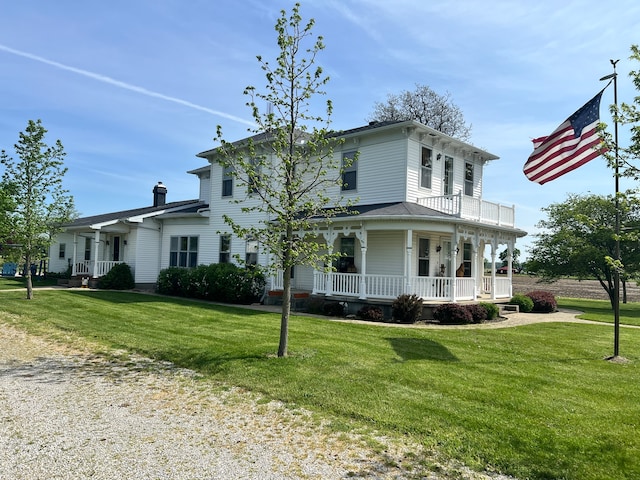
x=407 y=309
x=543 y=301
x=478 y=313
x=334 y=309
x=118 y=278
x=492 y=310
x=452 y=314
x=524 y=303
x=220 y=282
x=316 y=306
x=371 y=313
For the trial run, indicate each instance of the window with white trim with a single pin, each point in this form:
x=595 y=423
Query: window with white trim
x=225 y=249
x=468 y=179
x=349 y=171
x=62 y=250
x=227 y=182
x=423 y=257
x=448 y=175
x=251 y=252
x=426 y=167
x=183 y=251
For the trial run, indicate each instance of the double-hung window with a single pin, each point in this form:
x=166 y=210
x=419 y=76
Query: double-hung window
x=426 y=167
x=183 y=251
x=423 y=257
x=62 y=250
x=448 y=175
x=347 y=260
x=227 y=182
x=349 y=171
x=468 y=179
x=251 y=252
x=225 y=249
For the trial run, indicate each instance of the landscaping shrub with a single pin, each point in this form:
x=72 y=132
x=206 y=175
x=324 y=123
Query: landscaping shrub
x=334 y=309
x=316 y=306
x=543 y=301
x=478 y=312
x=452 y=314
x=221 y=282
x=371 y=313
x=173 y=281
x=118 y=278
x=492 y=310
x=407 y=309
x=524 y=303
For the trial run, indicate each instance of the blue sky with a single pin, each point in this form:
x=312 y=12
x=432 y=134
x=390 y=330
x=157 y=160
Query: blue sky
x=135 y=88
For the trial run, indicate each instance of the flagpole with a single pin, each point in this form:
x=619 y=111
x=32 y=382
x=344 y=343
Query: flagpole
x=616 y=274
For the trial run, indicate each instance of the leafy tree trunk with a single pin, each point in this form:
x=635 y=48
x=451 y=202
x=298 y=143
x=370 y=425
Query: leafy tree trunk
x=286 y=311
x=27 y=275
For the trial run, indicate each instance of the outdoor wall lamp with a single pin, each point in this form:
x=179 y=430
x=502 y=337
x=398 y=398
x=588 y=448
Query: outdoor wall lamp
x=438 y=248
x=439 y=156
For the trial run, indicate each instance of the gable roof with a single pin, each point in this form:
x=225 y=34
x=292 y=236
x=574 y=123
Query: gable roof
x=136 y=214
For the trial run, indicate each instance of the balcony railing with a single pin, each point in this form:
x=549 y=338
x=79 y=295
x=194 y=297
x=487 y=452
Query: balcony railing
x=471 y=208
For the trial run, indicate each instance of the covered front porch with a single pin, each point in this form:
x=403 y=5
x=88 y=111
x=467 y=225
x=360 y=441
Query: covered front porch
x=95 y=253
x=393 y=249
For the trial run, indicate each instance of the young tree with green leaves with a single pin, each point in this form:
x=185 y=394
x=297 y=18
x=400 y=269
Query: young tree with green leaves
x=40 y=203
x=288 y=165
x=579 y=239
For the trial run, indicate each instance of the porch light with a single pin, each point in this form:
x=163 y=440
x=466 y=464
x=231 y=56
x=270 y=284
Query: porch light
x=438 y=248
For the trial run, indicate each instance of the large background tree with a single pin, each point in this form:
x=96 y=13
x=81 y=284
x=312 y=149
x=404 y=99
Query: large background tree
x=427 y=107
x=288 y=165
x=579 y=240
x=40 y=204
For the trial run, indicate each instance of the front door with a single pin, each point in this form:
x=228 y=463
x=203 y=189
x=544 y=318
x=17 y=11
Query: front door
x=116 y=249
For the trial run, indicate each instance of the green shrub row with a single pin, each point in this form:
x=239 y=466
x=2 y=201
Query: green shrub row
x=457 y=314
x=539 y=301
x=219 y=282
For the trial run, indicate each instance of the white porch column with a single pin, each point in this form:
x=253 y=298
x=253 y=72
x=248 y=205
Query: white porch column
x=408 y=263
x=475 y=268
x=510 y=267
x=95 y=254
x=330 y=238
x=75 y=250
x=494 y=285
x=454 y=266
x=362 y=236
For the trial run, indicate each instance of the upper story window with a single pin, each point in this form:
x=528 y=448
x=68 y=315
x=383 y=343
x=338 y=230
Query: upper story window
x=183 y=251
x=448 y=175
x=225 y=249
x=468 y=179
x=349 y=171
x=255 y=176
x=426 y=167
x=227 y=182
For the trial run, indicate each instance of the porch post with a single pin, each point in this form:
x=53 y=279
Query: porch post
x=95 y=254
x=362 y=236
x=475 y=267
x=454 y=266
x=407 y=267
x=75 y=249
x=494 y=285
x=330 y=238
x=510 y=267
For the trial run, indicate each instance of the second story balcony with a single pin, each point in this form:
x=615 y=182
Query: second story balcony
x=471 y=208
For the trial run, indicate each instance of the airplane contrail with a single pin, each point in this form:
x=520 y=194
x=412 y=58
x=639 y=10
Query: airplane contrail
x=126 y=86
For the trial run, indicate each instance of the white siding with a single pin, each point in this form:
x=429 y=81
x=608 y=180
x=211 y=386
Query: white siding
x=146 y=251
x=385 y=252
x=57 y=264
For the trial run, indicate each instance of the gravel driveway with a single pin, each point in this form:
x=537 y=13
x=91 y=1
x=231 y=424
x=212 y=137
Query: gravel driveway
x=71 y=414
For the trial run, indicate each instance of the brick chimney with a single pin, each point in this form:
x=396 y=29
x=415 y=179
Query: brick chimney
x=159 y=195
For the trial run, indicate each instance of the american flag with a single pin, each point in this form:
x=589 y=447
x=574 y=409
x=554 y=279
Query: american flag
x=570 y=146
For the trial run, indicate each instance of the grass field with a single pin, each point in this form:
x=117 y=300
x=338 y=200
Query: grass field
x=535 y=401
x=10 y=283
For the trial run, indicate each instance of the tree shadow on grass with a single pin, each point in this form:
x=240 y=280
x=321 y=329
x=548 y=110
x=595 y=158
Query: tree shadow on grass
x=139 y=297
x=421 y=349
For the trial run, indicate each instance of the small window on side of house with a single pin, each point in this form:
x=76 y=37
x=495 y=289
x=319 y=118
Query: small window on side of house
x=225 y=249
x=426 y=167
x=227 y=182
x=468 y=179
x=62 y=250
x=251 y=252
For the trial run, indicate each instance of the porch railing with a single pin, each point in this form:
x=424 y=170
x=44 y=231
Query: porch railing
x=390 y=286
x=86 y=267
x=471 y=208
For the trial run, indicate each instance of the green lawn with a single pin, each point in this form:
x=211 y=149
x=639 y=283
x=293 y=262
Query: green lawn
x=8 y=283
x=536 y=401
x=601 y=311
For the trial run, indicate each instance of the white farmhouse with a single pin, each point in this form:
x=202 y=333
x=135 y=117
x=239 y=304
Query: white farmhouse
x=420 y=224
